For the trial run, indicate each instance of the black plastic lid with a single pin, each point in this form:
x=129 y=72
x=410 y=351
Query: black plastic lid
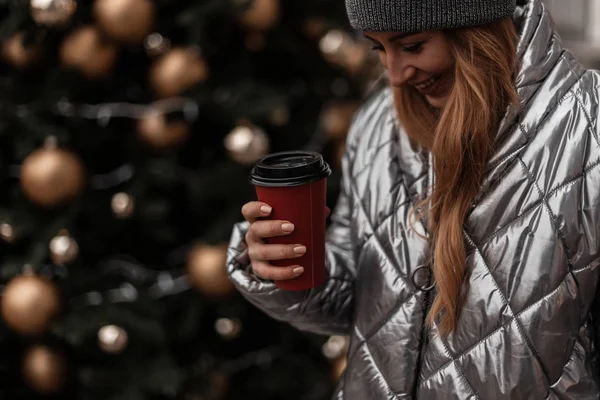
x=289 y=168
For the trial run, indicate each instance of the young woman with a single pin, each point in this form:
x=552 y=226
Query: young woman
x=464 y=255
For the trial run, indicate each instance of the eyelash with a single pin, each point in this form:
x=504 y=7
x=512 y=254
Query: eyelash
x=415 y=48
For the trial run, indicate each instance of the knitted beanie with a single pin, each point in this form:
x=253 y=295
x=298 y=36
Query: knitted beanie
x=411 y=16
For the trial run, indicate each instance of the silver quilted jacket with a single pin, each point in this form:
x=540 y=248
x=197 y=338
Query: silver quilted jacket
x=529 y=325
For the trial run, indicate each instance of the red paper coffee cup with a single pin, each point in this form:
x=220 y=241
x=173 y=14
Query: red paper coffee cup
x=294 y=184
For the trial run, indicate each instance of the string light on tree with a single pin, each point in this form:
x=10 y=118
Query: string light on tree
x=128 y=21
x=123 y=205
x=156 y=44
x=228 y=328
x=44 y=369
x=206 y=270
x=20 y=55
x=86 y=50
x=246 y=143
x=7 y=232
x=56 y=13
x=63 y=249
x=51 y=176
x=339 y=48
x=158 y=133
x=261 y=15
x=112 y=339
x=29 y=304
x=177 y=70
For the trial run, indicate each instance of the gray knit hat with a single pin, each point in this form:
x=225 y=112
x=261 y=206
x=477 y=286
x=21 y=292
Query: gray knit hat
x=408 y=16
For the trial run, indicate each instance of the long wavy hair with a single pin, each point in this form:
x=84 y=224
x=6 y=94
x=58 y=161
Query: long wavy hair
x=461 y=138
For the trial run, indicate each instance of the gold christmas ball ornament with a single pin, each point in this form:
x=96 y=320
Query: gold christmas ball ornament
x=55 y=13
x=63 y=249
x=337 y=117
x=44 y=369
x=29 y=304
x=206 y=270
x=339 y=48
x=123 y=205
x=158 y=133
x=177 y=70
x=261 y=15
x=52 y=176
x=17 y=54
x=7 y=233
x=128 y=21
x=245 y=144
x=112 y=339
x=228 y=328
x=86 y=50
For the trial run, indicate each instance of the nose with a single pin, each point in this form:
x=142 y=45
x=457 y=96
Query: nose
x=400 y=72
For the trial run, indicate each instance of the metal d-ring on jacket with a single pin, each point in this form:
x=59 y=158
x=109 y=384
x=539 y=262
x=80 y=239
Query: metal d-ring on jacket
x=529 y=324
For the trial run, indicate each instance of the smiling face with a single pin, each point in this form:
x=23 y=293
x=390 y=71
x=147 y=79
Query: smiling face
x=421 y=60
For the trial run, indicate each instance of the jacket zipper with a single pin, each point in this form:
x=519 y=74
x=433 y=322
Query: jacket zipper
x=428 y=301
x=424 y=342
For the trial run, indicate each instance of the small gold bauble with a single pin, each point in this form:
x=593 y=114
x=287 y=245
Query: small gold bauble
x=261 y=15
x=19 y=56
x=128 y=21
x=314 y=27
x=337 y=118
x=245 y=144
x=7 y=233
x=112 y=339
x=156 y=132
x=86 y=50
x=55 y=13
x=206 y=270
x=63 y=249
x=52 y=176
x=177 y=70
x=123 y=205
x=44 y=369
x=280 y=116
x=228 y=328
x=29 y=304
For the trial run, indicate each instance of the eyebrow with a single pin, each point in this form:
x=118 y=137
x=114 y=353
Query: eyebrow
x=392 y=39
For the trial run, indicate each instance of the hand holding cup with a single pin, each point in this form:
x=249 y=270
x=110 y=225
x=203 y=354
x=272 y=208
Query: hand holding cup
x=261 y=253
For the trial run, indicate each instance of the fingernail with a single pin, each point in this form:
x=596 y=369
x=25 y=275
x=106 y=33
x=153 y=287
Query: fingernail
x=300 y=249
x=265 y=209
x=298 y=270
x=287 y=227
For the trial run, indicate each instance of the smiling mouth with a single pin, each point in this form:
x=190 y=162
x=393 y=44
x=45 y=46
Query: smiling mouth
x=427 y=84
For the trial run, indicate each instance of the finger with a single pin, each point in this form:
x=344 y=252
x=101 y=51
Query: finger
x=327 y=212
x=270 y=228
x=270 y=252
x=267 y=271
x=254 y=210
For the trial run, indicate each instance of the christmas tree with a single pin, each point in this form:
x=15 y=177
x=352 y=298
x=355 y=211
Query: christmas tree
x=127 y=132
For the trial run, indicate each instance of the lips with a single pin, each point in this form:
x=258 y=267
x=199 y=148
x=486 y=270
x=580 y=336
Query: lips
x=428 y=86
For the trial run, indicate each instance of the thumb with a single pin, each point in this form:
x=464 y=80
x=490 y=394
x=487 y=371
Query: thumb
x=327 y=212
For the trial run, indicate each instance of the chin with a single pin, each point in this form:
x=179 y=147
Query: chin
x=437 y=102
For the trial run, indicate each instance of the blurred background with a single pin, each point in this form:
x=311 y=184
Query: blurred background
x=127 y=132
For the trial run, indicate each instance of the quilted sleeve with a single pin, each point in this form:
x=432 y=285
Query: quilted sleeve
x=327 y=309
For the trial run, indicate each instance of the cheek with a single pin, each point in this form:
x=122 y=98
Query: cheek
x=382 y=59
